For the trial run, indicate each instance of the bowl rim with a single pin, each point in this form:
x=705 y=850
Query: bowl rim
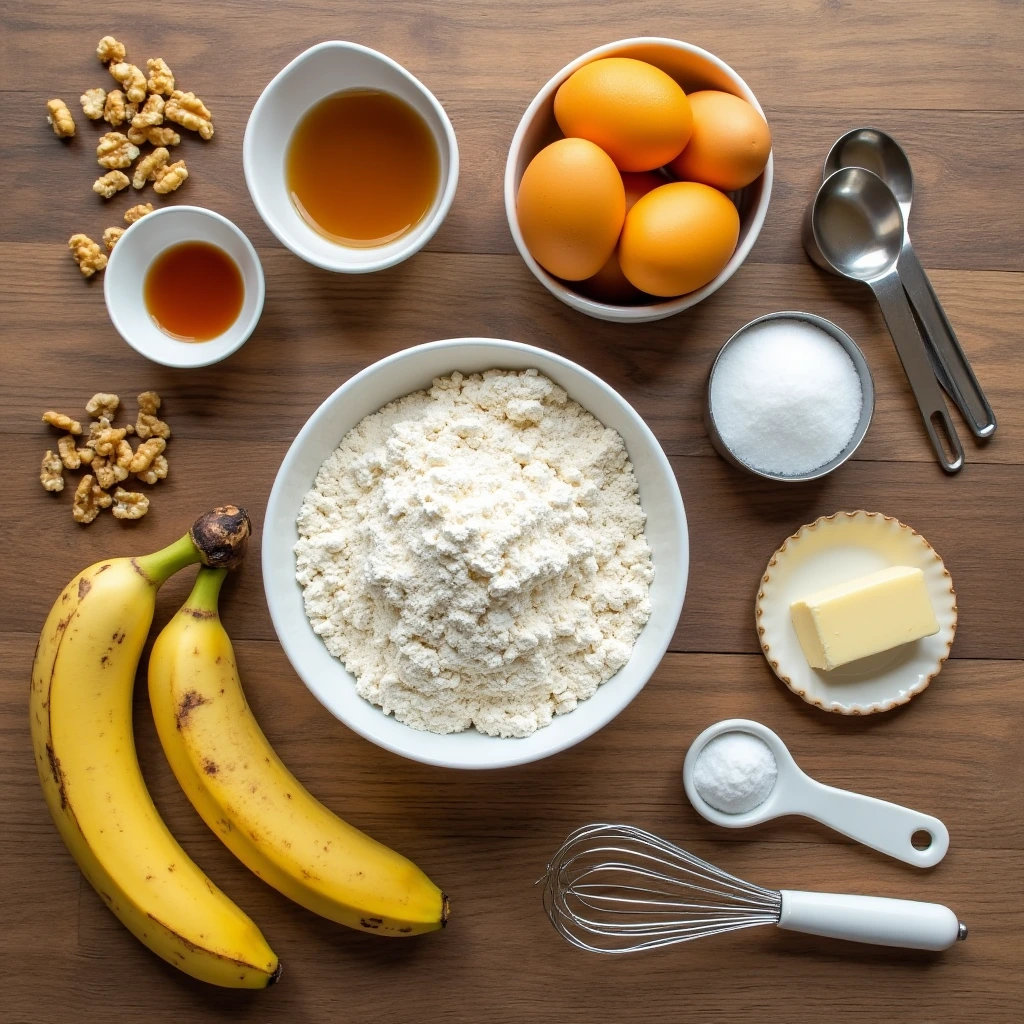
x=249 y=160
x=514 y=755
x=111 y=273
x=654 y=310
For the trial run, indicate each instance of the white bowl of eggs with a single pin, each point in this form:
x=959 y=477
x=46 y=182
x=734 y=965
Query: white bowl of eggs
x=638 y=179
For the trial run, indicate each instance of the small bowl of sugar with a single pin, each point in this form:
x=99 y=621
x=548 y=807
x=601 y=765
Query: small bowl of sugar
x=789 y=397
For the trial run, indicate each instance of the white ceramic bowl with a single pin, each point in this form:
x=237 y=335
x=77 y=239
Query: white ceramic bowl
x=402 y=374
x=321 y=71
x=125 y=277
x=694 y=69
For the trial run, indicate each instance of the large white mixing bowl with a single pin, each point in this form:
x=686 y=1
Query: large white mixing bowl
x=413 y=370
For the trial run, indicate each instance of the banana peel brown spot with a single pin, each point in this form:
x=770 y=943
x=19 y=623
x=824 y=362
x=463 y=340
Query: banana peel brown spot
x=84 y=586
x=373 y=923
x=200 y=613
x=103 y=568
x=192 y=700
x=210 y=766
x=58 y=775
x=196 y=948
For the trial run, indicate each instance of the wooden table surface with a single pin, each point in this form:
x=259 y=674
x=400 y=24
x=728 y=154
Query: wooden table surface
x=943 y=77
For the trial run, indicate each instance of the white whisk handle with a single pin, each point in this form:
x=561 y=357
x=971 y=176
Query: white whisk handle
x=874 y=919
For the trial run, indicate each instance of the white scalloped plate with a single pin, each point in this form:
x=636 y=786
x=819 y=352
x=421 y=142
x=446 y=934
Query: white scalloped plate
x=831 y=550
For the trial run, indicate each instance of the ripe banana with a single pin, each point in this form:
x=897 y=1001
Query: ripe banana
x=81 y=717
x=248 y=797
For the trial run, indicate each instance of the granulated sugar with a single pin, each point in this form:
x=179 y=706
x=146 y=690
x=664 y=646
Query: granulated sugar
x=735 y=772
x=786 y=397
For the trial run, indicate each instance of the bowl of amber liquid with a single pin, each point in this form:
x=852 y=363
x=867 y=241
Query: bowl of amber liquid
x=184 y=286
x=350 y=160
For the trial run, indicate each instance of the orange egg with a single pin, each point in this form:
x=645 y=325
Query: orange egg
x=609 y=284
x=570 y=206
x=730 y=143
x=635 y=112
x=678 y=238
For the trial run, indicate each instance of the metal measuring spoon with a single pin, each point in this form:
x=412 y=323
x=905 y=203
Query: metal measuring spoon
x=879 y=824
x=858 y=227
x=881 y=153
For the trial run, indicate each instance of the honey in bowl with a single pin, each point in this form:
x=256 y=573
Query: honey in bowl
x=362 y=168
x=194 y=291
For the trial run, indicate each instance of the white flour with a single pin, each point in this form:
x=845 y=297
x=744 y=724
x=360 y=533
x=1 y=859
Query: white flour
x=474 y=554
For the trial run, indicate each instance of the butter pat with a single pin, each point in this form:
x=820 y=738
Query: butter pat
x=865 y=616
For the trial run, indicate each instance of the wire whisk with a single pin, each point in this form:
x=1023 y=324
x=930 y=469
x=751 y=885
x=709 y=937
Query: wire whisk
x=619 y=889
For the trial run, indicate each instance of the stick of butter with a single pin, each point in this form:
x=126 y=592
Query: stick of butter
x=865 y=616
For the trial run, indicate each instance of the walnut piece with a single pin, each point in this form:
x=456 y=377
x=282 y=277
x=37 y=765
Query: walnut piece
x=86 y=455
x=137 y=212
x=51 y=473
x=164 y=136
x=86 y=253
x=68 y=452
x=115 y=110
x=157 y=471
x=150 y=114
x=62 y=422
x=60 y=118
x=131 y=79
x=186 y=109
x=107 y=471
x=93 y=101
x=123 y=455
x=146 y=453
x=170 y=177
x=103 y=438
x=161 y=78
x=129 y=504
x=89 y=499
x=146 y=169
x=102 y=405
x=109 y=184
x=115 y=151
x=111 y=236
x=147 y=425
x=110 y=49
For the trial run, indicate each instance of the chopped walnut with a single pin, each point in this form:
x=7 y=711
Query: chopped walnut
x=161 y=78
x=109 y=184
x=60 y=118
x=68 y=452
x=131 y=79
x=154 y=136
x=146 y=453
x=129 y=504
x=137 y=212
x=147 y=425
x=107 y=471
x=89 y=499
x=93 y=101
x=186 y=109
x=114 y=150
x=146 y=169
x=51 y=473
x=157 y=471
x=170 y=177
x=115 y=110
x=150 y=114
x=111 y=236
x=62 y=422
x=103 y=438
x=86 y=455
x=86 y=253
x=123 y=455
x=102 y=405
x=110 y=50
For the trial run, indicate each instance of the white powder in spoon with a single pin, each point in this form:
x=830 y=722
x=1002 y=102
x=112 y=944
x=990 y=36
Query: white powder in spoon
x=735 y=772
x=786 y=397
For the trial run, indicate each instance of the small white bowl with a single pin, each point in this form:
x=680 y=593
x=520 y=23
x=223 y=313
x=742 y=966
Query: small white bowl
x=321 y=71
x=125 y=277
x=400 y=375
x=694 y=69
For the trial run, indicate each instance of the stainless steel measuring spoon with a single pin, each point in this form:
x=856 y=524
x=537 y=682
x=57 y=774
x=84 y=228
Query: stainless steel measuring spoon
x=881 y=153
x=858 y=227
x=883 y=826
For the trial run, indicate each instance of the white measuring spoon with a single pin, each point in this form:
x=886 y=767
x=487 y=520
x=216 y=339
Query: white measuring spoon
x=879 y=824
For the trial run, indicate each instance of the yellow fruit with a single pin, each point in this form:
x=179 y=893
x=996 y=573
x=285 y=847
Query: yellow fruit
x=678 y=238
x=570 y=207
x=730 y=144
x=634 y=111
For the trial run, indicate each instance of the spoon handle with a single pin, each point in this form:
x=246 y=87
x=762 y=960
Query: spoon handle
x=914 y=357
x=876 y=823
x=964 y=387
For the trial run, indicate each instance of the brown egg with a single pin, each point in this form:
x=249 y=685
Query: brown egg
x=570 y=206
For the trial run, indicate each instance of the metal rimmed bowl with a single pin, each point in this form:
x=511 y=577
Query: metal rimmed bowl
x=866 y=410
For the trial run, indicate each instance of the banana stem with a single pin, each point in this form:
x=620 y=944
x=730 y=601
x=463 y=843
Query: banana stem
x=206 y=590
x=163 y=564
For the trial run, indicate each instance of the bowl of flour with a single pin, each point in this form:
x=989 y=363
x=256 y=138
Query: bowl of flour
x=475 y=553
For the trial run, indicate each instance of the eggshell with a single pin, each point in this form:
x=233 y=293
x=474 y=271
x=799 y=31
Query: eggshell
x=730 y=143
x=570 y=206
x=678 y=238
x=635 y=112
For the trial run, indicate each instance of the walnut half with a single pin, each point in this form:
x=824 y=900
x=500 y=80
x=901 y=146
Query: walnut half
x=89 y=499
x=161 y=78
x=93 y=102
x=131 y=79
x=102 y=404
x=146 y=169
x=109 y=184
x=110 y=49
x=130 y=504
x=170 y=177
x=86 y=253
x=186 y=109
x=147 y=425
x=51 y=473
x=115 y=151
x=60 y=118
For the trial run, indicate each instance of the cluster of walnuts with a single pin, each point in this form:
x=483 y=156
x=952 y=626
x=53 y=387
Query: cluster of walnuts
x=108 y=456
x=144 y=104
